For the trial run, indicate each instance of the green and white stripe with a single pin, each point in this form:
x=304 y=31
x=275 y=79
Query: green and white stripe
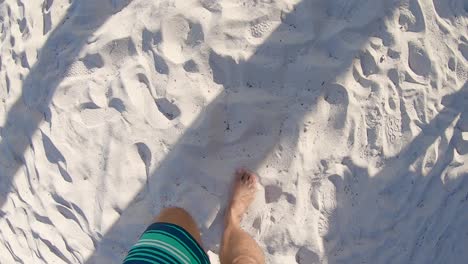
x=167 y=244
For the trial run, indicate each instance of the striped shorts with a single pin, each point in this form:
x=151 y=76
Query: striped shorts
x=167 y=244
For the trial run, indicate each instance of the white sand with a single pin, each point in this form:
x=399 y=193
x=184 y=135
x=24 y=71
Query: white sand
x=353 y=112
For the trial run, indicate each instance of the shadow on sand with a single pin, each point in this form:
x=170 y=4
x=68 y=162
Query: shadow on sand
x=415 y=208
x=283 y=80
x=276 y=87
x=62 y=47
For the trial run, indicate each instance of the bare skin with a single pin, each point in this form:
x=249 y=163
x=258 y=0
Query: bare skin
x=182 y=218
x=237 y=247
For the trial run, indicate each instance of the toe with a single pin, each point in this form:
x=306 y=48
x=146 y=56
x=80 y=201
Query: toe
x=251 y=178
x=241 y=171
x=252 y=184
x=246 y=177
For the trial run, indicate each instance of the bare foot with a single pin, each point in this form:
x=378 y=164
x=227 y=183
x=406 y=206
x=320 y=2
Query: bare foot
x=242 y=195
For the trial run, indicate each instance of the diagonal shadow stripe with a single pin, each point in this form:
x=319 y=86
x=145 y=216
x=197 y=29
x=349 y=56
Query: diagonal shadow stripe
x=55 y=57
x=382 y=208
x=279 y=84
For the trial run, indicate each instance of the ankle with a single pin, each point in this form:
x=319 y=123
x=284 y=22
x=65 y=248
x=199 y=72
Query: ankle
x=232 y=219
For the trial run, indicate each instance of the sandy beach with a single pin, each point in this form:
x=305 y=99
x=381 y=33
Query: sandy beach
x=353 y=113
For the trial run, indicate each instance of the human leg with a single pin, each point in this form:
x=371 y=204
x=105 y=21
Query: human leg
x=173 y=238
x=182 y=218
x=237 y=246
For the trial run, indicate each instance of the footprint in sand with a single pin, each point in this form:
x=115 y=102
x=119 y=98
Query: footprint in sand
x=368 y=63
x=260 y=27
x=160 y=64
x=418 y=59
x=150 y=39
x=272 y=193
x=411 y=17
x=145 y=155
x=212 y=5
x=179 y=37
x=307 y=256
x=169 y=109
x=337 y=97
x=195 y=35
x=463 y=48
x=92 y=115
x=92 y=61
x=118 y=50
x=323 y=198
x=191 y=66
